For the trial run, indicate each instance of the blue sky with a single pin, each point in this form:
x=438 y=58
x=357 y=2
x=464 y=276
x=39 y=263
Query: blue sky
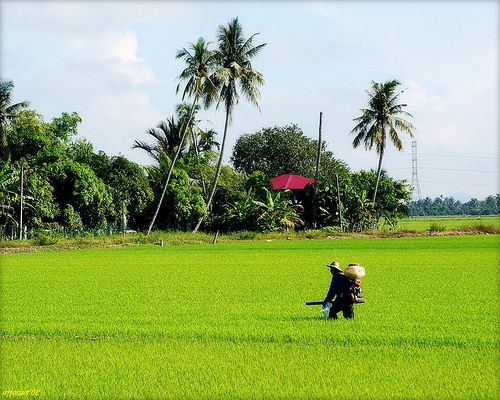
x=114 y=63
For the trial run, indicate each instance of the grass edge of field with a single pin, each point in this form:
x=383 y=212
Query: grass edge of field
x=409 y=227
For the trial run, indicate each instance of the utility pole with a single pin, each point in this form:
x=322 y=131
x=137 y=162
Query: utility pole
x=318 y=155
x=124 y=220
x=21 y=176
x=316 y=175
x=339 y=204
x=414 y=177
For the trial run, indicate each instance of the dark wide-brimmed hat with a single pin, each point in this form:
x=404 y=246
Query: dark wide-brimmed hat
x=334 y=265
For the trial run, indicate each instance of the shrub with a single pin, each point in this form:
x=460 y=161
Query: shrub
x=435 y=227
x=488 y=228
x=246 y=235
x=44 y=239
x=331 y=229
x=481 y=227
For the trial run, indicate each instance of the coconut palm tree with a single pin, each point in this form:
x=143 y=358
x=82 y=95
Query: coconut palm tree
x=200 y=63
x=234 y=74
x=382 y=118
x=199 y=85
x=8 y=113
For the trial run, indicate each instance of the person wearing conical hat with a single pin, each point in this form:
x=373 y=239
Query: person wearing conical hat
x=339 y=294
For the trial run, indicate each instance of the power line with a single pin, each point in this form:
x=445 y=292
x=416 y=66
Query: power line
x=463 y=184
x=464 y=170
x=423 y=154
x=457 y=156
x=443 y=169
x=376 y=157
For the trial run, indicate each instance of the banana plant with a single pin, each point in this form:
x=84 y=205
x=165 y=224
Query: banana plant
x=277 y=212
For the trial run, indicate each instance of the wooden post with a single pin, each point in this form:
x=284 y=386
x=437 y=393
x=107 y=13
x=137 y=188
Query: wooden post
x=215 y=237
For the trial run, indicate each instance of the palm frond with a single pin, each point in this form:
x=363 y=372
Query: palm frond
x=150 y=149
x=396 y=141
x=358 y=139
x=252 y=52
x=404 y=126
x=15 y=108
x=156 y=133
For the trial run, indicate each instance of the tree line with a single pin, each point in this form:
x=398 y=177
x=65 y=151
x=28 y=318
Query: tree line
x=449 y=206
x=70 y=188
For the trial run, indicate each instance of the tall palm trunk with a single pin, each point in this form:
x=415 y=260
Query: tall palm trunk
x=378 y=176
x=195 y=142
x=172 y=164
x=217 y=171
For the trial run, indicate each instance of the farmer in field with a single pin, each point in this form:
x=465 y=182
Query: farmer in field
x=340 y=289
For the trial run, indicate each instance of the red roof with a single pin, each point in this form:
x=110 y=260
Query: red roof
x=289 y=181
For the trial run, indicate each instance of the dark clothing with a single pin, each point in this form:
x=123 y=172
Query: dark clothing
x=340 y=289
x=347 y=309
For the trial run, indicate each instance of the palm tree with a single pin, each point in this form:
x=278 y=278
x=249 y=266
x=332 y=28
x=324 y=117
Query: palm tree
x=206 y=141
x=382 y=118
x=8 y=113
x=189 y=123
x=234 y=71
x=199 y=85
x=200 y=140
x=167 y=140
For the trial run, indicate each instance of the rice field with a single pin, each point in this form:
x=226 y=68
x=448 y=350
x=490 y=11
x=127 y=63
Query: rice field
x=228 y=321
x=449 y=223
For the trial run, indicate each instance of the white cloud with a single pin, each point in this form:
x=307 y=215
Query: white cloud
x=125 y=49
x=137 y=73
x=417 y=96
x=124 y=60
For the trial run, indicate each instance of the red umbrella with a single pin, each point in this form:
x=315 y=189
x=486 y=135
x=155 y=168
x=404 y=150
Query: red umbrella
x=290 y=181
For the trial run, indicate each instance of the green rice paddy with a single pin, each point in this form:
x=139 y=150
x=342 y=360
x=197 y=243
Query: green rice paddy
x=228 y=321
x=420 y=224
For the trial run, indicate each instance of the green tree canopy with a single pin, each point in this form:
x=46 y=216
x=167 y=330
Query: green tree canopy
x=183 y=204
x=77 y=185
x=393 y=195
x=283 y=150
